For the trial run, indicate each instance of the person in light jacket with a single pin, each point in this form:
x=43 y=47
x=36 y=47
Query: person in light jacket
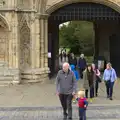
x=109 y=77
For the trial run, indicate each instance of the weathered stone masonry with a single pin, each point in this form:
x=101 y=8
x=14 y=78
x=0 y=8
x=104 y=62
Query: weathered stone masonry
x=24 y=37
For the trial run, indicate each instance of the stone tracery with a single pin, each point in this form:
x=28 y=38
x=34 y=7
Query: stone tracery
x=25 y=46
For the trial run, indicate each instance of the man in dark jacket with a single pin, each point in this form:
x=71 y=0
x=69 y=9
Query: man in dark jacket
x=66 y=86
x=81 y=65
x=73 y=60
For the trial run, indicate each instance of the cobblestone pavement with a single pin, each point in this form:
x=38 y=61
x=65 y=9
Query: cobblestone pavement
x=55 y=113
x=24 y=102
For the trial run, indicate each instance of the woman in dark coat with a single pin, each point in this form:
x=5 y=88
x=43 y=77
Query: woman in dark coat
x=89 y=81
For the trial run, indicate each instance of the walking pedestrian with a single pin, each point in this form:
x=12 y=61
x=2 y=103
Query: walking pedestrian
x=69 y=56
x=98 y=79
x=66 y=87
x=82 y=105
x=89 y=81
x=81 y=65
x=73 y=60
x=61 y=56
x=109 y=77
x=76 y=76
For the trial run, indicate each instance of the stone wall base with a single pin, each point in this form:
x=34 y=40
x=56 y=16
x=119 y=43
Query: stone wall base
x=9 y=75
x=35 y=75
x=14 y=76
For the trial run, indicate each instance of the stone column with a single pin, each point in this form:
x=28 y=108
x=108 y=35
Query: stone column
x=35 y=44
x=14 y=49
x=42 y=38
x=46 y=43
x=33 y=40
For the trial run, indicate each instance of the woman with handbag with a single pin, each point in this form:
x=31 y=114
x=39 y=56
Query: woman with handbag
x=109 y=77
x=98 y=79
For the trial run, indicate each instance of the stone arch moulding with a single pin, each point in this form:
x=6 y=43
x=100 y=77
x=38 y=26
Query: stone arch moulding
x=4 y=20
x=56 y=5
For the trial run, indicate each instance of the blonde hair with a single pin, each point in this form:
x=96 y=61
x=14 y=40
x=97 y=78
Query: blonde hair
x=81 y=93
x=109 y=64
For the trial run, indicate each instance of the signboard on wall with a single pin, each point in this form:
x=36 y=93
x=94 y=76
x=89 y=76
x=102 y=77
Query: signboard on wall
x=49 y=54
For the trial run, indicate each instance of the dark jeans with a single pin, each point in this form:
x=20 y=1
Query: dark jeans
x=81 y=72
x=82 y=114
x=66 y=102
x=91 y=92
x=86 y=93
x=96 y=87
x=109 y=88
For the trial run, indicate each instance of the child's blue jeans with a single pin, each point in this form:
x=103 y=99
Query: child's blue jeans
x=82 y=114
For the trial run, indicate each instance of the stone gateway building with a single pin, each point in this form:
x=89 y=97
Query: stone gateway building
x=29 y=31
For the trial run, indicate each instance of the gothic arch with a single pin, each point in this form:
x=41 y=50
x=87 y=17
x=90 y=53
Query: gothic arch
x=4 y=41
x=112 y=4
x=4 y=22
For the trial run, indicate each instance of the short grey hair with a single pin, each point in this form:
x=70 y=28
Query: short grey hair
x=66 y=64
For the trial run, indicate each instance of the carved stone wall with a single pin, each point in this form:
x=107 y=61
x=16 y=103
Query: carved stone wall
x=24 y=4
x=3 y=44
x=25 y=60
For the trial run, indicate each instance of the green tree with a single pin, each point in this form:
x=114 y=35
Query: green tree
x=78 y=36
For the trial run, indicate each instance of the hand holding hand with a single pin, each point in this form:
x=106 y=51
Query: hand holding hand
x=57 y=93
x=73 y=93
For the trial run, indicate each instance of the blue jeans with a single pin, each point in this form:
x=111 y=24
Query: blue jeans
x=82 y=114
x=109 y=88
x=92 y=91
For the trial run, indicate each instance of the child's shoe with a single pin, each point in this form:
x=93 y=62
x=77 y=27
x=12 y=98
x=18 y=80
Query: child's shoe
x=74 y=101
x=91 y=100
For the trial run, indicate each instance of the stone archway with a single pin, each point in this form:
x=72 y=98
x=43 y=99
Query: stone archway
x=59 y=8
x=58 y=4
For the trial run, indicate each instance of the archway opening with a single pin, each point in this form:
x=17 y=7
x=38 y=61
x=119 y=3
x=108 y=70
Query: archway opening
x=72 y=39
x=106 y=25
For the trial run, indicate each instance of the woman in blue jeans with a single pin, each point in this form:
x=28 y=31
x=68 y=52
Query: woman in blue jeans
x=109 y=77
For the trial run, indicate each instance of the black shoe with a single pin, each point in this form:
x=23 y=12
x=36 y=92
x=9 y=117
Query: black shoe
x=69 y=118
x=108 y=96
x=96 y=95
x=111 y=98
x=65 y=117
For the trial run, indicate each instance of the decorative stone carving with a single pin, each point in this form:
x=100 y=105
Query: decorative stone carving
x=3 y=43
x=25 y=46
x=2 y=3
x=28 y=17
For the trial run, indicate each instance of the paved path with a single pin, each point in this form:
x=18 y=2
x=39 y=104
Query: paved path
x=39 y=102
x=54 y=113
x=44 y=95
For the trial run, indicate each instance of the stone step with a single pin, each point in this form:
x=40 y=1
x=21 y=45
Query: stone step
x=55 y=113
